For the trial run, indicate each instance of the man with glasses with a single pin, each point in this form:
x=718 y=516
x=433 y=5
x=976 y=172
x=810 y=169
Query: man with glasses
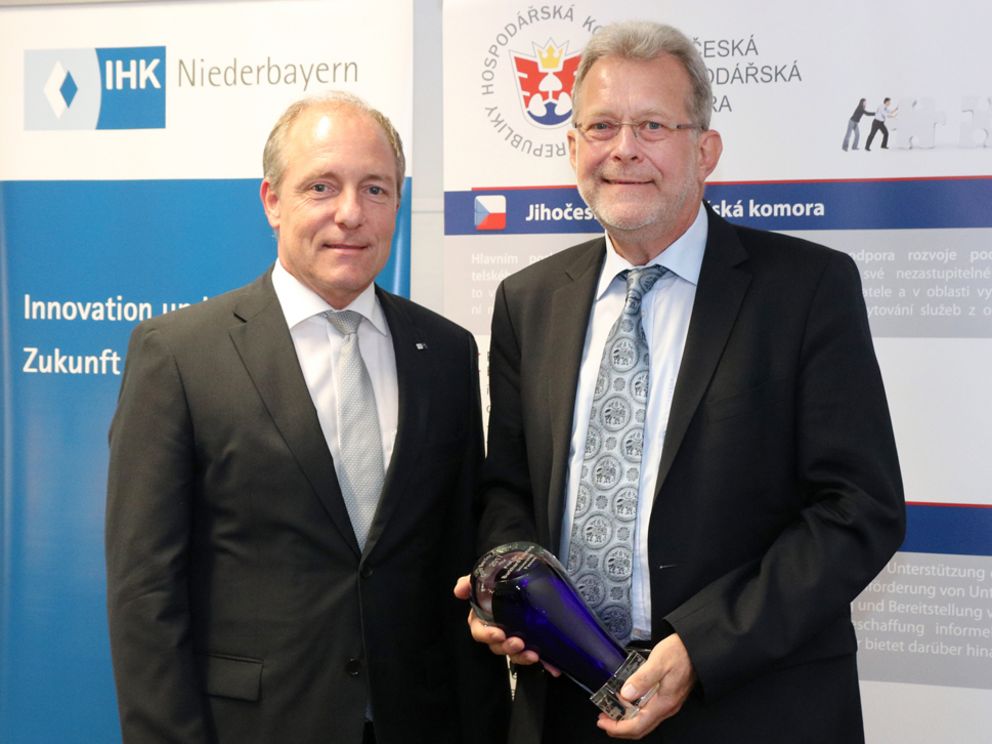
x=690 y=414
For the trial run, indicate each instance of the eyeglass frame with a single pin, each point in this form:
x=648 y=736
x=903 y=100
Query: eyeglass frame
x=635 y=127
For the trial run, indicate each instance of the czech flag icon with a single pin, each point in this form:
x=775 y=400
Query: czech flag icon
x=490 y=212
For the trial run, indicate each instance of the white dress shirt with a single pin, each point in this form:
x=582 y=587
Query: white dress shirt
x=883 y=112
x=318 y=344
x=665 y=313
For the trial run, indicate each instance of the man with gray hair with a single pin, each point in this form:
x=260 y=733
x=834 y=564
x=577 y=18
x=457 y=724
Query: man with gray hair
x=690 y=414
x=292 y=475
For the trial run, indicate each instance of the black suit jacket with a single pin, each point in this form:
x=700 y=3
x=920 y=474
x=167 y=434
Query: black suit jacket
x=779 y=495
x=241 y=609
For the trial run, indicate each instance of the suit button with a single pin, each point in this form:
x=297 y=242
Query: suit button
x=367 y=572
x=353 y=667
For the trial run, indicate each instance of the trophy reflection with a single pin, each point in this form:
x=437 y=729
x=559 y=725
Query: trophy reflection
x=523 y=589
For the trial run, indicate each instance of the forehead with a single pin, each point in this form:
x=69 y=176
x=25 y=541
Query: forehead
x=340 y=138
x=615 y=85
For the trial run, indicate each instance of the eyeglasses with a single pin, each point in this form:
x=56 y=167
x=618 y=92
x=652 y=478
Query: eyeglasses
x=649 y=130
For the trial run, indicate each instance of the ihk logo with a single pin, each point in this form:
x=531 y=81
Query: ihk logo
x=111 y=88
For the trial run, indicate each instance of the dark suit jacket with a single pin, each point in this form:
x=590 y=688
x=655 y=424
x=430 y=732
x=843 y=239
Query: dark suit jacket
x=241 y=609
x=779 y=495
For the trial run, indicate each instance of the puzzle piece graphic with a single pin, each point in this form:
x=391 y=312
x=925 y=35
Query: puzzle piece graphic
x=977 y=132
x=915 y=122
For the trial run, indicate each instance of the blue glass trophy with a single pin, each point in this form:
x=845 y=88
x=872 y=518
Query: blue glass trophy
x=523 y=589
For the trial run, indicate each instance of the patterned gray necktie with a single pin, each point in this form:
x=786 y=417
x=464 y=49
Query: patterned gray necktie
x=600 y=556
x=360 y=471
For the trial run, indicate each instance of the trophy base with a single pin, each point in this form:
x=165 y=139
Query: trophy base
x=607 y=698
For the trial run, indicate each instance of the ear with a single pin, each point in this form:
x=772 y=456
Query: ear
x=270 y=202
x=572 y=144
x=710 y=149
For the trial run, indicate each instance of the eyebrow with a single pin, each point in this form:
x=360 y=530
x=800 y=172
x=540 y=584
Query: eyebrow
x=318 y=174
x=641 y=116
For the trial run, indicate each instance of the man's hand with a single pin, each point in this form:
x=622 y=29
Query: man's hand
x=668 y=667
x=495 y=638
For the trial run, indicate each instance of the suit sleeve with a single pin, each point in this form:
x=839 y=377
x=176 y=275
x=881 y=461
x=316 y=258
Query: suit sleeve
x=151 y=486
x=508 y=510
x=483 y=690
x=850 y=515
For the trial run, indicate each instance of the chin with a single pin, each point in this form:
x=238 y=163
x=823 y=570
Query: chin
x=627 y=221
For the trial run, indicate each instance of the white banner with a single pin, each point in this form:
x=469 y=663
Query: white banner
x=222 y=73
x=915 y=216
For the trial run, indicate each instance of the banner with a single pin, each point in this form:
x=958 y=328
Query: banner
x=913 y=211
x=130 y=161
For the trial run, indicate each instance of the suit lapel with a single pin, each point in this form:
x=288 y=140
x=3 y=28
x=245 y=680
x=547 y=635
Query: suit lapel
x=721 y=289
x=566 y=335
x=266 y=349
x=415 y=374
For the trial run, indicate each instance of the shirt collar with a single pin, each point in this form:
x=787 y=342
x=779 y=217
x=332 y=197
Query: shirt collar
x=684 y=257
x=299 y=302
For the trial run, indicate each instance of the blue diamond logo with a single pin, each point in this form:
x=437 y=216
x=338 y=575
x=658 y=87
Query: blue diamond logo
x=68 y=89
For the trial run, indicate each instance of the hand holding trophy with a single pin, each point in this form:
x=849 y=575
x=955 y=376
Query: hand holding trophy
x=523 y=589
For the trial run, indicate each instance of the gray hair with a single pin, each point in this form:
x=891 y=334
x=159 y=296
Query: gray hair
x=645 y=40
x=273 y=160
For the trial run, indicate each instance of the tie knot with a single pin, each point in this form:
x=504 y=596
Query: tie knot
x=345 y=322
x=639 y=283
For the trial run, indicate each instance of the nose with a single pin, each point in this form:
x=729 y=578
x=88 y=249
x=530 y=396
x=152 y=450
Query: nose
x=626 y=143
x=349 y=213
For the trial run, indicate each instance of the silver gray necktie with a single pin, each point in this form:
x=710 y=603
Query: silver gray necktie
x=361 y=471
x=600 y=556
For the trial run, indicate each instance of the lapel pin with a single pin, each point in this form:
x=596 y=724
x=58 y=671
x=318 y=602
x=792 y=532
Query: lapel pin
x=421 y=346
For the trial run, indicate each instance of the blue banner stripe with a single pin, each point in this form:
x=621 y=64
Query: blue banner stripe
x=557 y=209
x=856 y=205
x=958 y=530
x=790 y=205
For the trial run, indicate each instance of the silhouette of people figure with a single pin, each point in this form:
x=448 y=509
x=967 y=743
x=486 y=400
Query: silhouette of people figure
x=882 y=113
x=853 y=125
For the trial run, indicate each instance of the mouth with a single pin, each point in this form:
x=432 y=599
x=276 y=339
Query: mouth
x=626 y=181
x=346 y=247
